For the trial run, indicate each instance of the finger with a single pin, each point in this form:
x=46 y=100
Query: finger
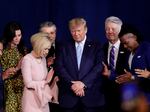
x=74 y=89
x=139 y=75
x=137 y=70
x=73 y=82
x=77 y=92
x=104 y=64
x=82 y=93
x=120 y=76
x=117 y=81
x=121 y=79
x=125 y=71
x=52 y=69
x=124 y=79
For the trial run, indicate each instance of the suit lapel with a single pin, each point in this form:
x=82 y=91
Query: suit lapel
x=121 y=52
x=137 y=56
x=86 y=52
x=72 y=51
x=106 y=52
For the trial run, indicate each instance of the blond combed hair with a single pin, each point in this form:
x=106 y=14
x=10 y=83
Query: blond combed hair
x=40 y=41
x=77 y=22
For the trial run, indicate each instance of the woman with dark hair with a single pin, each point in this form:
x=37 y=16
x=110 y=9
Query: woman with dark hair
x=11 y=62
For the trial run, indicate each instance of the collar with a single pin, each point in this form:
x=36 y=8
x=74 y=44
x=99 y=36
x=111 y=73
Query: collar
x=81 y=43
x=116 y=45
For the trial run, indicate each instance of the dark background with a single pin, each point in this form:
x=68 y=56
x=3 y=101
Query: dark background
x=30 y=13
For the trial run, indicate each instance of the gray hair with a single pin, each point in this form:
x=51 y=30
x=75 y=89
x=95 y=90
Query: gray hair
x=47 y=24
x=114 y=19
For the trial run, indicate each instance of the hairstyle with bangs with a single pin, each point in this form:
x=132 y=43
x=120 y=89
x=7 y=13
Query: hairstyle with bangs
x=39 y=42
x=10 y=32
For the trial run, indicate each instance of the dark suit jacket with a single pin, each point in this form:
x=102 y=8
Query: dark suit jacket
x=51 y=52
x=121 y=60
x=89 y=74
x=111 y=88
x=141 y=60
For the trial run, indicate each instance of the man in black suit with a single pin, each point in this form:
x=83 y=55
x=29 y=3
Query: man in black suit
x=79 y=67
x=111 y=71
x=50 y=28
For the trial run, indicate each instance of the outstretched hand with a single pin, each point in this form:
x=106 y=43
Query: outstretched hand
x=106 y=72
x=124 y=78
x=142 y=73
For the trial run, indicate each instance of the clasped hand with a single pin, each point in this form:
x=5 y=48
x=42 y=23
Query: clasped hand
x=78 y=88
x=8 y=72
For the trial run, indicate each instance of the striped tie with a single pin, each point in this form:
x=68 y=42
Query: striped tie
x=112 y=58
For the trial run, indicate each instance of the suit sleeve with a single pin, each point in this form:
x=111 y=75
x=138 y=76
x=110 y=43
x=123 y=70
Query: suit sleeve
x=96 y=70
x=60 y=67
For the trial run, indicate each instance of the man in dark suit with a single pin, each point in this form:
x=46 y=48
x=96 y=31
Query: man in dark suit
x=79 y=67
x=50 y=28
x=138 y=61
x=112 y=89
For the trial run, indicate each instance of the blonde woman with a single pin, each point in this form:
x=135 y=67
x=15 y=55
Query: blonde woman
x=37 y=92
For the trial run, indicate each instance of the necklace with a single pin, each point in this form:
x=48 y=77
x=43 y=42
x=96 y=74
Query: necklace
x=38 y=60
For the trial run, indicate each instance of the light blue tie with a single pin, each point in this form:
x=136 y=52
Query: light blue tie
x=79 y=54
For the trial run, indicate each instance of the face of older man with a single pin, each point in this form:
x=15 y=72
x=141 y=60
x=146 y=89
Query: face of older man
x=51 y=32
x=112 y=30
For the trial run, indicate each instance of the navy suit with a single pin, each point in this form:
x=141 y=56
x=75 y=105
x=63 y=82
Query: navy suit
x=141 y=60
x=112 y=89
x=89 y=73
x=121 y=59
x=53 y=106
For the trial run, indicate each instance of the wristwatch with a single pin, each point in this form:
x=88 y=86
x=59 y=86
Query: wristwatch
x=132 y=77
